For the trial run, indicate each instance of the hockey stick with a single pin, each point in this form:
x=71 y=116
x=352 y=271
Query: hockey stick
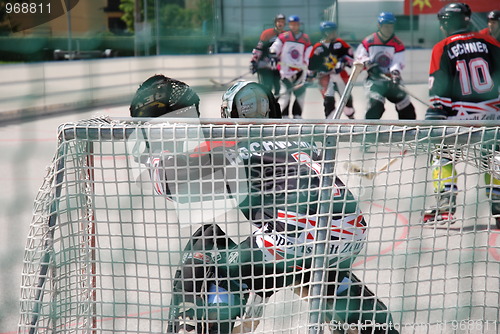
x=403 y=88
x=353 y=168
x=414 y=97
x=293 y=88
x=356 y=70
x=217 y=83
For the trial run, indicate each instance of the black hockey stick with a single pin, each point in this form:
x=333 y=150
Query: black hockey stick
x=224 y=84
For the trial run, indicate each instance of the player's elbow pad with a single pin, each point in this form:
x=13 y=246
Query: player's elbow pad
x=435 y=114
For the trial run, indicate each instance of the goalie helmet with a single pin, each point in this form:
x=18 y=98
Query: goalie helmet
x=386 y=18
x=247 y=99
x=454 y=17
x=163 y=96
x=327 y=27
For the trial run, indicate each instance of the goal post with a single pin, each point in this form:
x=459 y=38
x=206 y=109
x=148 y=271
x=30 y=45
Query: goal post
x=122 y=199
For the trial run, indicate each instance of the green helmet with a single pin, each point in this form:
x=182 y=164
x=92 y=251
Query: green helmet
x=163 y=96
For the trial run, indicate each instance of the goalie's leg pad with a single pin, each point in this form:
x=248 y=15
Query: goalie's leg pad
x=189 y=310
x=355 y=303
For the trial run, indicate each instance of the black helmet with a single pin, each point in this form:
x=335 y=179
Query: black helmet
x=494 y=15
x=454 y=17
x=279 y=17
x=247 y=99
x=160 y=95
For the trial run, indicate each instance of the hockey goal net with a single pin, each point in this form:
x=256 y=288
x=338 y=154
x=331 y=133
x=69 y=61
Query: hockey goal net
x=107 y=236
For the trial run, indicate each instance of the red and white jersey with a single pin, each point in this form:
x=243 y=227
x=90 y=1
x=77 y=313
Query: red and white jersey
x=293 y=52
x=389 y=55
x=464 y=76
x=267 y=38
x=346 y=239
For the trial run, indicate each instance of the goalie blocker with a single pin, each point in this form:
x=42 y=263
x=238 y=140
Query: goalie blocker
x=216 y=276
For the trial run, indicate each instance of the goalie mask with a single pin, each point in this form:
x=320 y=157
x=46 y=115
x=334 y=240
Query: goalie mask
x=246 y=99
x=166 y=97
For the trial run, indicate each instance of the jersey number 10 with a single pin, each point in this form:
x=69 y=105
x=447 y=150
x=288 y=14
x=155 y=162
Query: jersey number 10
x=474 y=76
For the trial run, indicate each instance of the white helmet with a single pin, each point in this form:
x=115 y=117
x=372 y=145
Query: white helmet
x=247 y=99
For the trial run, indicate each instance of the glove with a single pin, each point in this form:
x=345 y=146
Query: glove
x=273 y=61
x=311 y=75
x=373 y=69
x=339 y=67
x=396 y=77
x=253 y=66
x=435 y=114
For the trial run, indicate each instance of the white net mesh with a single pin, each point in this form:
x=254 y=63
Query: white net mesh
x=279 y=206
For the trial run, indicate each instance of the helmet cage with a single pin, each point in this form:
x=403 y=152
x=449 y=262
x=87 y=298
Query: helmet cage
x=160 y=95
x=327 y=27
x=246 y=99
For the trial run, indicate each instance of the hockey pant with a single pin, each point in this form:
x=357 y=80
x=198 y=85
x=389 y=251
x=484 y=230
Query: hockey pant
x=330 y=84
x=202 y=300
x=212 y=287
x=380 y=89
x=270 y=78
x=294 y=85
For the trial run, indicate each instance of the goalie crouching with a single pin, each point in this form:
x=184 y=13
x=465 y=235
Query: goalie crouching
x=221 y=282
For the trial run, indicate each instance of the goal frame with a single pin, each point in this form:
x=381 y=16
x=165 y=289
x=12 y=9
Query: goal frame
x=329 y=132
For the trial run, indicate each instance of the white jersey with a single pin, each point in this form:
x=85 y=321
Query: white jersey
x=293 y=52
x=389 y=55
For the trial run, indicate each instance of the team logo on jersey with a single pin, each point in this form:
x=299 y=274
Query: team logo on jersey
x=330 y=62
x=294 y=54
x=383 y=60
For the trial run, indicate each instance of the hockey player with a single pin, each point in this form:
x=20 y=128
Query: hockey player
x=493 y=28
x=327 y=61
x=383 y=55
x=292 y=49
x=464 y=81
x=279 y=195
x=261 y=62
